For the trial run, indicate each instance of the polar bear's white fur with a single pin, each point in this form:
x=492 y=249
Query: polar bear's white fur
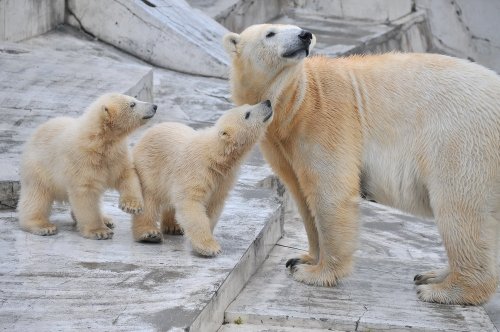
x=419 y=132
x=186 y=174
x=76 y=160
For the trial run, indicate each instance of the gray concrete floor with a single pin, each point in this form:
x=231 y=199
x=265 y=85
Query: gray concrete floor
x=379 y=296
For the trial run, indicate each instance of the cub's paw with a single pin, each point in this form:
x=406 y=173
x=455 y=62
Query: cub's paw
x=98 y=234
x=43 y=229
x=108 y=222
x=172 y=229
x=131 y=205
x=208 y=247
x=152 y=236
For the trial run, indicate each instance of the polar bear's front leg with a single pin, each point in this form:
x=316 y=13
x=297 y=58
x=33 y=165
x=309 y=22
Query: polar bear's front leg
x=129 y=187
x=192 y=217
x=86 y=207
x=285 y=172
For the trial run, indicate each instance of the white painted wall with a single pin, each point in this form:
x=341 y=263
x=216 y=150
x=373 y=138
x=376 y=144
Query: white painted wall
x=23 y=19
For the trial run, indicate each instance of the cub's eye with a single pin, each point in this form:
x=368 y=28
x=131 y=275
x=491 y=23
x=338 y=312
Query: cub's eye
x=247 y=115
x=132 y=104
x=270 y=34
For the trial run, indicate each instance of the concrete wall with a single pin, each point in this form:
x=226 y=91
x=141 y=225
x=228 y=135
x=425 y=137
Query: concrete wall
x=373 y=10
x=23 y=19
x=466 y=28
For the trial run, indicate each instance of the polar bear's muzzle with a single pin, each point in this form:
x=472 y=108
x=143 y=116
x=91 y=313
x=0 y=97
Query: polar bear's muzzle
x=300 y=46
x=268 y=109
x=150 y=111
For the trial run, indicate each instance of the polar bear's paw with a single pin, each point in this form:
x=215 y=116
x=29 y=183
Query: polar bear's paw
x=454 y=289
x=98 y=234
x=303 y=259
x=208 y=247
x=152 y=235
x=172 y=229
x=314 y=275
x=431 y=277
x=131 y=205
x=108 y=222
x=43 y=229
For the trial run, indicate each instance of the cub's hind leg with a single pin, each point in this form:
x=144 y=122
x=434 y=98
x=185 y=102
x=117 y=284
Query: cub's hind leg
x=145 y=225
x=34 y=208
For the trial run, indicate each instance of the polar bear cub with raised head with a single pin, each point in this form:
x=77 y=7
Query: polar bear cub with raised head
x=186 y=174
x=76 y=160
x=419 y=132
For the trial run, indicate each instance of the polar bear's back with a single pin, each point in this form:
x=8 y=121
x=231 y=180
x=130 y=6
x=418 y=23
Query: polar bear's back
x=48 y=141
x=156 y=154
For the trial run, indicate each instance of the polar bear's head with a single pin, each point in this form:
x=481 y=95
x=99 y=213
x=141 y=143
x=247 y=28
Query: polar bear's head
x=241 y=127
x=269 y=47
x=121 y=113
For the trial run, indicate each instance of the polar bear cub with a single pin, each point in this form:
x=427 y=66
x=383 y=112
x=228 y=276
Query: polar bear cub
x=186 y=174
x=76 y=160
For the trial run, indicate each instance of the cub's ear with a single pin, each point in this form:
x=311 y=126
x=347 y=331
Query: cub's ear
x=231 y=41
x=224 y=135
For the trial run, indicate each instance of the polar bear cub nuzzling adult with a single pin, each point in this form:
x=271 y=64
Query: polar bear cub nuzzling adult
x=419 y=132
x=76 y=160
x=186 y=174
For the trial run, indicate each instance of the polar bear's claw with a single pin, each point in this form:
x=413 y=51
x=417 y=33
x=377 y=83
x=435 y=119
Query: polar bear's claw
x=131 y=206
x=292 y=262
x=153 y=236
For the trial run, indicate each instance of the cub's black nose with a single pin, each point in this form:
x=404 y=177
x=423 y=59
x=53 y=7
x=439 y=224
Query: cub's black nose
x=268 y=103
x=155 y=107
x=305 y=36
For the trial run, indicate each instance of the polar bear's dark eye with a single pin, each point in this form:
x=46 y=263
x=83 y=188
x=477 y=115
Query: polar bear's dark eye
x=132 y=104
x=270 y=34
x=247 y=115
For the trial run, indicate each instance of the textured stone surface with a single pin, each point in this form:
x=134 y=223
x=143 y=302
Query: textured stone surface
x=168 y=34
x=466 y=29
x=337 y=37
x=59 y=73
x=379 y=296
x=371 y=10
x=22 y=19
x=236 y=15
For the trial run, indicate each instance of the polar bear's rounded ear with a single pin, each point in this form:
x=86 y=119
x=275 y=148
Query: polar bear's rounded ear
x=230 y=42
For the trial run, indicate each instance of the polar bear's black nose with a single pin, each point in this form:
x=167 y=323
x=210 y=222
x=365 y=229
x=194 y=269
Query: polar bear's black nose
x=155 y=107
x=268 y=103
x=305 y=35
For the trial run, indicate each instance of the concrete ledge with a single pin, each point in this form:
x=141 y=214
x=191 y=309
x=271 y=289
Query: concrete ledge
x=169 y=34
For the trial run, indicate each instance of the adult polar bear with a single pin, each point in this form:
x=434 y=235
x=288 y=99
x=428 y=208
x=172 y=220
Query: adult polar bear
x=418 y=132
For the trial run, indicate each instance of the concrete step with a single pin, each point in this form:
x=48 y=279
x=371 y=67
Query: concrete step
x=58 y=73
x=379 y=296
